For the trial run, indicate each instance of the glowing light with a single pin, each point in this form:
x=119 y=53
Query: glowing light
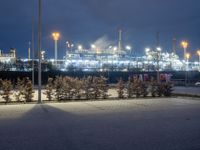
x=128 y=47
x=110 y=47
x=184 y=44
x=147 y=50
x=198 y=53
x=187 y=55
x=93 y=46
x=56 y=36
x=80 y=47
x=159 y=49
x=115 y=48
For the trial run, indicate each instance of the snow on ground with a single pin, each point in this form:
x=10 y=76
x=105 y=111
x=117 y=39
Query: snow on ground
x=139 y=124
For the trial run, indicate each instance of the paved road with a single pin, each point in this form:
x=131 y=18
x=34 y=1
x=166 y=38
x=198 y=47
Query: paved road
x=187 y=90
x=152 y=124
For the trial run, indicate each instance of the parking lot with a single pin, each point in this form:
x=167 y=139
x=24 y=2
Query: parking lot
x=138 y=124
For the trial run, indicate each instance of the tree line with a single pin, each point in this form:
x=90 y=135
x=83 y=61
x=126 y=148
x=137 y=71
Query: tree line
x=65 y=88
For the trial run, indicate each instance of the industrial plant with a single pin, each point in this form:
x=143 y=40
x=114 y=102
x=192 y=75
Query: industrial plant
x=104 y=57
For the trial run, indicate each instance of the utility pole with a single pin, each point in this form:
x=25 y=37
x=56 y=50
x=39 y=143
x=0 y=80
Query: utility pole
x=33 y=54
x=29 y=51
x=39 y=49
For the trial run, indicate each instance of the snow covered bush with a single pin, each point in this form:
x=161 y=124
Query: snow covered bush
x=28 y=90
x=6 y=87
x=49 y=89
x=58 y=87
x=121 y=88
x=19 y=90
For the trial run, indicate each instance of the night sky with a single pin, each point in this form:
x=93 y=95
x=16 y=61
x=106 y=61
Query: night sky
x=85 y=21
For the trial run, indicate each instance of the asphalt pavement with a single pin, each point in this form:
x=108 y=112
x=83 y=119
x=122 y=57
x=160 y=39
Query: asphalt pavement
x=143 y=124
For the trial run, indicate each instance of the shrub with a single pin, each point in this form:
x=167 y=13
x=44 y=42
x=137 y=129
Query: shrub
x=58 y=87
x=120 y=88
x=88 y=87
x=153 y=88
x=78 y=88
x=6 y=90
x=28 y=90
x=168 y=88
x=130 y=87
x=49 y=89
x=103 y=87
x=19 y=90
x=136 y=87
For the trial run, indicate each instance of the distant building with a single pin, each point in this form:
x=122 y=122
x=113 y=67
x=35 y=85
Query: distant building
x=8 y=57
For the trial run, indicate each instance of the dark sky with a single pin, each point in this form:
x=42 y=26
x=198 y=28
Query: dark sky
x=84 y=21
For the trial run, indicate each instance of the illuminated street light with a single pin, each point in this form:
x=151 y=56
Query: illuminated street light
x=115 y=50
x=93 y=46
x=184 y=44
x=158 y=49
x=80 y=48
x=187 y=56
x=198 y=53
x=147 y=50
x=56 y=37
x=128 y=47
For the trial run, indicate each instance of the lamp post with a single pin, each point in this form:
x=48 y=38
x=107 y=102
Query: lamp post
x=184 y=44
x=187 y=56
x=33 y=54
x=56 y=37
x=198 y=53
x=80 y=48
x=39 y=49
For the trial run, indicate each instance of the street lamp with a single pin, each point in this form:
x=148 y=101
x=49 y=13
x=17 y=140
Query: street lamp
x=128 y=47
x=198 y=53
x=80 y=48
x=56 y=37
x=93 y=46
x=39 y=50
x=114 y=50
x=184 y=44
x=147 y=50
x=187 y=56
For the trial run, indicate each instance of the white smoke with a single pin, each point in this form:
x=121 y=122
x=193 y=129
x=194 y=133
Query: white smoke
x=103 y=43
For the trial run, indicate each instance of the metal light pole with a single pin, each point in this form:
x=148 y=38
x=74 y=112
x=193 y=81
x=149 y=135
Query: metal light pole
x=33 y=54
x=187 y=56
x=198 y=53
x=29 y=51
x=56 y=36
x=39 y=49
x=184 y=44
